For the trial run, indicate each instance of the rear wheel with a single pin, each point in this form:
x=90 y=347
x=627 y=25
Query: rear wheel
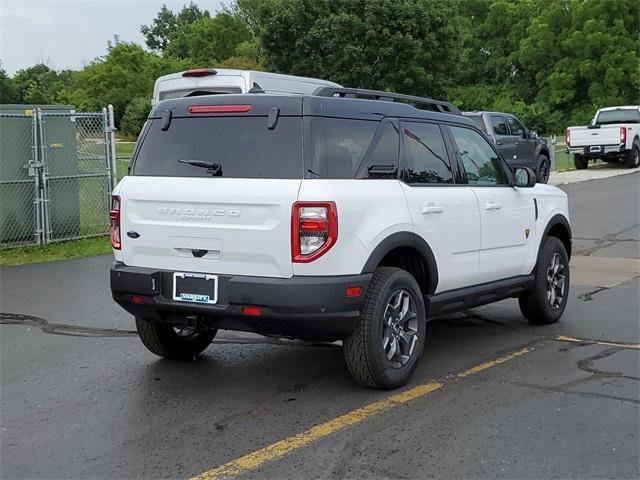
x=172 y=342
x=546 y=301
x=384 y=348
x=633 y=158
x=544 y=169
x=580 y=162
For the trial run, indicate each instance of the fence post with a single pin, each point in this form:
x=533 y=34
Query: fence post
x=112 y=146
x=552 y=153
x=35 y=171
x=44 y=186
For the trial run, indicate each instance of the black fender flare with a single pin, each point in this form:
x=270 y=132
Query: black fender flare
x=405 y=239
x=558 y=219
x=541 y=149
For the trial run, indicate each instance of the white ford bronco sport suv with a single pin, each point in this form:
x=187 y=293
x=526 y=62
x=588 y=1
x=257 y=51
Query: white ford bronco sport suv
x=348 y=215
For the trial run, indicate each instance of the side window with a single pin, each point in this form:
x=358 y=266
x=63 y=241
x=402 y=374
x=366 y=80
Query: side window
x=499 y=125
x=383 y=154
x=425 y=156
x=481 y=163
x=515 y=126
x=336 y=146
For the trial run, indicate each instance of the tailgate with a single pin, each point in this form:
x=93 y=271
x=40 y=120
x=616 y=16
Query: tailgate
x=223 y=226
x=582 y=137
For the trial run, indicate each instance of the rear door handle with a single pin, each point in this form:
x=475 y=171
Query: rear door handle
x=425 y=210
x=492 y=206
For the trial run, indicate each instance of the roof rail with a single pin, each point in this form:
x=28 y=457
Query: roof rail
x=438 y=105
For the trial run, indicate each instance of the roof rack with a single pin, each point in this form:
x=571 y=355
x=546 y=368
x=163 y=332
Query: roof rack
x=438 y=105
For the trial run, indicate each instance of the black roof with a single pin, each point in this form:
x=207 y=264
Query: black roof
x=313 y=105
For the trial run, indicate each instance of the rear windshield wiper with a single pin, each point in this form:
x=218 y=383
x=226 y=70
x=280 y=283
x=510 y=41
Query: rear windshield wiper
x=213 y=168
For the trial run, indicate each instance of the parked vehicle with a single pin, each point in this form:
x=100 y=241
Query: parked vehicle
x=612 y=136
x=348 y=214
x=209 y=81
x=519 y=146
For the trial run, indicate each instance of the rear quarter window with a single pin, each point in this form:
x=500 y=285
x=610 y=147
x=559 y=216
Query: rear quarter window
x=243 y=147
x=337 y=146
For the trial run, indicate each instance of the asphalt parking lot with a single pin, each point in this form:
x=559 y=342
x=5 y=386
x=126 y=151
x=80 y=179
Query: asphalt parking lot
x=492 y=398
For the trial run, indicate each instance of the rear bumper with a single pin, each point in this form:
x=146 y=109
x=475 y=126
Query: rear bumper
x=604 y=150
x=301 y=307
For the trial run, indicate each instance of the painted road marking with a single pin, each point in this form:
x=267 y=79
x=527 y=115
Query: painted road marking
x=255 y=459
x=562 y=338
x=493 y=363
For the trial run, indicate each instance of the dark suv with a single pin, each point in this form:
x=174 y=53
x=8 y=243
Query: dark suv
x=519 y=146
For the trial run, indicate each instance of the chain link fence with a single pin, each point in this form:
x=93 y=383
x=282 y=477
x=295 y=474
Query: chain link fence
x=57 y=169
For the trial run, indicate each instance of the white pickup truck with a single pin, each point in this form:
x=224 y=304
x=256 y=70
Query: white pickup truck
x=613 y=136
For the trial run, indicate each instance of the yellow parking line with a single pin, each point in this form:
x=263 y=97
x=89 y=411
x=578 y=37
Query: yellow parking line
x=562 y=338
x=493 y=363
x=253 y=460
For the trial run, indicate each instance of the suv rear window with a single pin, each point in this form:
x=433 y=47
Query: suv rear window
x=243 y=147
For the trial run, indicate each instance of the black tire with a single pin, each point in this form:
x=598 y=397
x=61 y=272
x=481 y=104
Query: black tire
x=633 y=158
x=580 y=162
x=365 y=349
x=163 y=340
x=544 y=169
x=536 y=304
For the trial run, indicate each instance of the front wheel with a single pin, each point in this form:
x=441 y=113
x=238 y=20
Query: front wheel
x=384 y=348
x=172 y=342
x=546 y=301
x=633 y=158
x=544 y=169
x=580 y=162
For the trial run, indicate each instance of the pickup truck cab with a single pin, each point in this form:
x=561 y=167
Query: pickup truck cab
x=612 y=136
x=345 y=215
x=210 y=81
x=519 y=146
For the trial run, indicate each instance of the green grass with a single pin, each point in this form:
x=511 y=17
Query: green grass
x=87 y=247
x=124 y=149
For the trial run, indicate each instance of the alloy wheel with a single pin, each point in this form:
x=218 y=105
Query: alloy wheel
x=400 y=328
x=556 y=281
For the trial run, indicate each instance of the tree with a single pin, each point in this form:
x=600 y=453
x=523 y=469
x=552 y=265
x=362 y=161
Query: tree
x=209 y=40
x=124 y=74
x=135 y=115
x=39 y=84
x=412 y=48
x=164 y=26
x=8 y=92
x=552 y=62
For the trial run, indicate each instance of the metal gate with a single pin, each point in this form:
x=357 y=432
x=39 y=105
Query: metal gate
x=57 y=169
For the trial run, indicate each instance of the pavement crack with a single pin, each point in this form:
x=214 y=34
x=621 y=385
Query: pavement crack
x=589 y=295
x=586 y=365
x=575 y=392
x=605 y=241
x=62 y=329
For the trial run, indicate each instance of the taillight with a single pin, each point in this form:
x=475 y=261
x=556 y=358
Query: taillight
x=623 y=135
x=314 y=230
x=199 y=72
x=114 y=222
x=568 y=138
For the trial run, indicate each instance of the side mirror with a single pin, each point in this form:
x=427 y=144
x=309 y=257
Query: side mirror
x=524 y=177
x=533 y=134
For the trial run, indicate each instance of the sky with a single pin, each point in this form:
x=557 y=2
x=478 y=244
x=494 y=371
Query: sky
x=68 y=34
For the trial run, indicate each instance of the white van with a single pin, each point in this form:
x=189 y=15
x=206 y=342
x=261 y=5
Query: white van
x=209 y=81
